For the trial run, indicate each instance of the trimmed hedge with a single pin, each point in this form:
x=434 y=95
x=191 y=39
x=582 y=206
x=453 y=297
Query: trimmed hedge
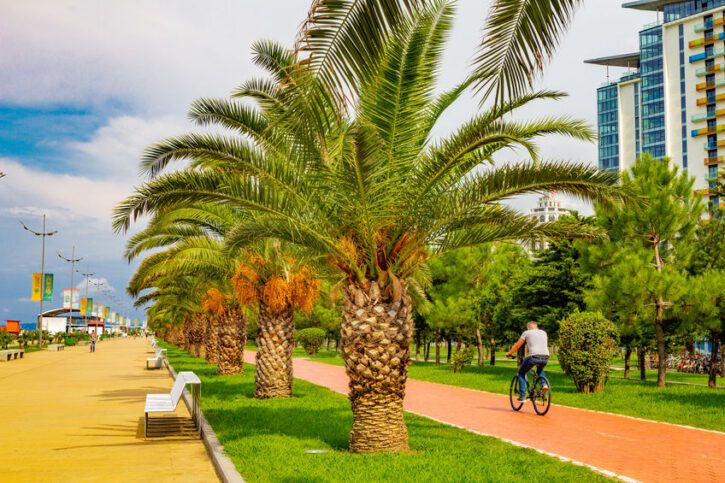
x=311 y=339
x=587 y=344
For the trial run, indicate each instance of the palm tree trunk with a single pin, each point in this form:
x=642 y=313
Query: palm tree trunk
x=376 y=333
x=232 y=335
x=275 y=341
x=211 y=342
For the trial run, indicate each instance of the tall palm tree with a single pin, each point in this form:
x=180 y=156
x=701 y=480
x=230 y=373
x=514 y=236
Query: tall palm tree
x=228 y=334
x=339 y=157
x=278 y=284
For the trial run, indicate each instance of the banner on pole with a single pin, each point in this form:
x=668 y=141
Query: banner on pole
x=94 y=310
x=48 y=287
x=89 y=306
x=71 y=299
x=83 y=306
x=37 y=289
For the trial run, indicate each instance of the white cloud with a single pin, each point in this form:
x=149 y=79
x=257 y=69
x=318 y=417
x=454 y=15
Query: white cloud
x=115 y=149
x=95 y=285
x=156 y=55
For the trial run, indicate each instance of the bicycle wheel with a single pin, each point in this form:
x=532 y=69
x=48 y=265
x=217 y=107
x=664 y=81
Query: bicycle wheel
x=541 y=398
x=514 y=394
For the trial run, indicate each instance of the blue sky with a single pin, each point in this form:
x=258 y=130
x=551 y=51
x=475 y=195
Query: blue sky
x=86 y=85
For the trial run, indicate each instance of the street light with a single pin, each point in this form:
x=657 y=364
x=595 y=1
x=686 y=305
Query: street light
x=73 y=262
x=42 y=276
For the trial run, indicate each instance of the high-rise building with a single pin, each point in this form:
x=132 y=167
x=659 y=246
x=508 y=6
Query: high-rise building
x=548 y=208
x=671 y=100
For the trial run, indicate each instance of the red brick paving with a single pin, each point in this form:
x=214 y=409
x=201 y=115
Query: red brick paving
x=641 y=450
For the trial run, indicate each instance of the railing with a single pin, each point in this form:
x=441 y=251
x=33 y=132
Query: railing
x=701 y=27
x=713 y=160
x=704 y=70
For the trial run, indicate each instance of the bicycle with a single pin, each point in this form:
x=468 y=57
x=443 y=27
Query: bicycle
x=540 y=398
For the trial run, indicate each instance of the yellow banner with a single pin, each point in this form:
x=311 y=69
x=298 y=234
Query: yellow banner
x=37 y=290
x=83 y=305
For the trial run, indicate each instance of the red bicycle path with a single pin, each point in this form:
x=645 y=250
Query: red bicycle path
x=618 y=446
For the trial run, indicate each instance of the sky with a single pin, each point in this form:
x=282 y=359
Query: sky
x=86 y=85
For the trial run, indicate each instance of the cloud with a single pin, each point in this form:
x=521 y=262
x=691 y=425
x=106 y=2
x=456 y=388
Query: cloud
x=95 y=285
x=155 y=55
x=114 y=150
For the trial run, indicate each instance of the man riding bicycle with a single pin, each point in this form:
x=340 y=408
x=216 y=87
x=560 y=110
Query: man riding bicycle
x=537 y=345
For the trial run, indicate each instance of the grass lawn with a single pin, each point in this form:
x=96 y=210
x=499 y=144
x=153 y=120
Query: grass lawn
x=267 y=439
x=691 y=405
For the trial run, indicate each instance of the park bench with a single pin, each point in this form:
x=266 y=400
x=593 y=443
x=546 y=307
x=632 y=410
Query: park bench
x=10 y=354
x=158 y=359
x=56 y=347
x=167 y=403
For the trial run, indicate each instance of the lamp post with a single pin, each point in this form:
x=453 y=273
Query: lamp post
x=73 y=262
x=42 y=234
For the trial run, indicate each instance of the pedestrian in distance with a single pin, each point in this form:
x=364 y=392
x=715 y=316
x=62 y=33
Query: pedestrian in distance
x=94 y=338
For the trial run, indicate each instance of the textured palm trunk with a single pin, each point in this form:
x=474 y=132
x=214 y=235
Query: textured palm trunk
x=376 y=333
x=275 y=343
x=211 y=342
x=232 y=336
x=195 y=335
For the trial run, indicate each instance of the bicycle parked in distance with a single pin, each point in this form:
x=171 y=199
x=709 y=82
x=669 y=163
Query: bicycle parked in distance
x=540 y=398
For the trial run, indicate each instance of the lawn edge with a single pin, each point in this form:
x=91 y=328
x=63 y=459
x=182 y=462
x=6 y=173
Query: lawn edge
x=636 y=418
x=565 y=459
x=225 y=468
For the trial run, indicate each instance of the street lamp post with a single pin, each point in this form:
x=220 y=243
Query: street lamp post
x=42 y=275
x=73 y=262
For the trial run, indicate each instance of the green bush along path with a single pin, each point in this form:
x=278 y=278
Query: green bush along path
x=696 y=406
x=267 y=439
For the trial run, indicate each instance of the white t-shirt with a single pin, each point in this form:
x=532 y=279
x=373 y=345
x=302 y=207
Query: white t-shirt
x=537 y=342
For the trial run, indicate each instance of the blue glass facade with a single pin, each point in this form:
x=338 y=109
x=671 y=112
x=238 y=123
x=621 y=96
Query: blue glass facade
x=683 y=96
x=608 y=118
x=684 y=9
x=652 y=91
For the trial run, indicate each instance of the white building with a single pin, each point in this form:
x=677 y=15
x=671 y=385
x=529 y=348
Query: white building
x=671 y=101
x=548 y=208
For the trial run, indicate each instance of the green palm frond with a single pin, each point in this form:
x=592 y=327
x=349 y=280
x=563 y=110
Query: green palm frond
x=519 y=37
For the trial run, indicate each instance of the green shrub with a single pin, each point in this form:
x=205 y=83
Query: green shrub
x=587 y=343
x=461 y=359
x=70 y=341
x=5 y=339
x=311 y=339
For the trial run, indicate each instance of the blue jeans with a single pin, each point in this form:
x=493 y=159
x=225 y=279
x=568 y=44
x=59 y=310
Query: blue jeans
x=526 y=365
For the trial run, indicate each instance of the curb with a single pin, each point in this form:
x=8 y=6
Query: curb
x=225 y=469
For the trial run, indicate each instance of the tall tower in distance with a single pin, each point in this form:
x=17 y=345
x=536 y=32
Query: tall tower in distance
x=670 y=101
x=548 y=208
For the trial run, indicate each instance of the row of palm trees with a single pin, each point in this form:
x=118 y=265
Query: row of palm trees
x=329 y=167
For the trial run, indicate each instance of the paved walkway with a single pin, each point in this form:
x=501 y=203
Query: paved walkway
x=640 y=450
x=73 y=416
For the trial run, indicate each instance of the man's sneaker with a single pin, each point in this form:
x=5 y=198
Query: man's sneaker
x=521 y=399
x=545 y=388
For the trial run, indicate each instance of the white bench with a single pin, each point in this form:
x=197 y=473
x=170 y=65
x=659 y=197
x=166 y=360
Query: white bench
x=56 y=347
x=11 y=354
x=158 y=359
x=166 y=403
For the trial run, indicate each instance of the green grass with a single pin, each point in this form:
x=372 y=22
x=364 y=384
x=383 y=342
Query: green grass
x=682 y=404
x=267 y=439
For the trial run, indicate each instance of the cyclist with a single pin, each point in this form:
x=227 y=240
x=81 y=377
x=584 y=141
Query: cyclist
x=537 y=345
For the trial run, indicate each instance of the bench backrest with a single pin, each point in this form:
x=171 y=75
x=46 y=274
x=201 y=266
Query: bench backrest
x=160 y=352
x=177 y=390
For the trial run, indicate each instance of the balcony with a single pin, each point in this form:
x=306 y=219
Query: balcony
x=701 y=27
x=706 y=40
x=704 y=131
x=703 y=55
x=719 y=144
x=704 y=100
x=704 y=71
x=710 y=85
x=713 y=160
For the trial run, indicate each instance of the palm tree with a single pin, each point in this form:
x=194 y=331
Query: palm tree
x=278 y=284
x=350 y=169
x=228 y=334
